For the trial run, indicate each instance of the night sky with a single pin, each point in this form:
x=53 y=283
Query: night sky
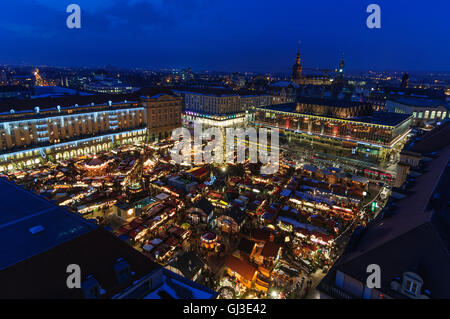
x=227 y=35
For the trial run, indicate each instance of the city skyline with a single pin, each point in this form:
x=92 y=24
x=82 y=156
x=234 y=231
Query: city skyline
x=225 y=36
x=182 y=150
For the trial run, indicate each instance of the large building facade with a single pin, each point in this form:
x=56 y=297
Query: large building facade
x=163 y=114
x=60 y=128
x=220 y=107
x=345 y=127
x=221 y=102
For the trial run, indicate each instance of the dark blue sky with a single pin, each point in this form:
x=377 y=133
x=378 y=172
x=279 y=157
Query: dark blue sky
x=228 y=35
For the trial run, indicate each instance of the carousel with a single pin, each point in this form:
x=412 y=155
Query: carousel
x=209 y=240
x=95 y=167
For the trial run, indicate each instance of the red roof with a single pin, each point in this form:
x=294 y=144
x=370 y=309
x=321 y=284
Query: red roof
x=199 y=172
x=302 y=231
x=261 y=234
x=270 y=250
x=136 y=222
x=243 y=268
x=172 y=241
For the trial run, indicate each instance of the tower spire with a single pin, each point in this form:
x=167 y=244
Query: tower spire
x=297 y=67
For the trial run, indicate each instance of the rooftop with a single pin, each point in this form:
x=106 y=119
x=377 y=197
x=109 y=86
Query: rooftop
x=421 y=102
x=31 y=225
x=81 y=100
x=217 y=92
x=177 y=287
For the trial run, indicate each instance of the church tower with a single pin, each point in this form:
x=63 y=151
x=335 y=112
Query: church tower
x=405 y=81
x=340 y=71
x=297 y=68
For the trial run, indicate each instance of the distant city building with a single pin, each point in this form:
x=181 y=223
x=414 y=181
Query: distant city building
x=299 y=78
x=15 y=92
x=382 y=94
x=109 y=87
x=54 y=91
x=297 y=68
x=423 y=110
x=4 y=77
x=341 y=70
x=220 y=107
x=220 y=101
x=25 y=80
x=405 y=81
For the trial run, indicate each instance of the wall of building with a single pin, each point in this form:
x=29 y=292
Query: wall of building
x=163 y=115
x=225 y=104
x=30 y=137
x=420 y=114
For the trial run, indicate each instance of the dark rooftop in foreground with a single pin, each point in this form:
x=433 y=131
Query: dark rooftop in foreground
x=40 y=240
x=31 y=225
x=96 y=252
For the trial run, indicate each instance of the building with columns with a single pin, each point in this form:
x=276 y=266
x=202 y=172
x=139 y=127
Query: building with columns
x=346 y=128
x=60 y=128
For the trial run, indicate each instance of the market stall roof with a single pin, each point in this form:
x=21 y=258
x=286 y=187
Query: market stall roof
x=262 y=234
x=310 y=168
x=172 y=241
x=360 y=179
x=188 y=263
x=162 y=196
x=246 y=246
x=270 y=250
x=148 y=247
x=242 y=267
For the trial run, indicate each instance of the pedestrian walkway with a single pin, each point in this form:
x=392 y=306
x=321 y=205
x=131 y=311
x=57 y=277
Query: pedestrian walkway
x=316 y=277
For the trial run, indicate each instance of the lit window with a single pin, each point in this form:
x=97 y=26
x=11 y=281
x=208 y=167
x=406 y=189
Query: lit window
x=426 y=114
